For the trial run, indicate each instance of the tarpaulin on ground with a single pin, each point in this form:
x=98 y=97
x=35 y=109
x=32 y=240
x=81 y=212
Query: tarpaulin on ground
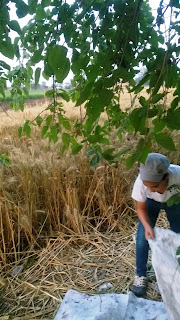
x=80 y=306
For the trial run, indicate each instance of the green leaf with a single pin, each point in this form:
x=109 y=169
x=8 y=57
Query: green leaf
x=14 y=25
x=26 y=91
x=59 y=62
x=54 y=133
x=175 y=103
x=103 y=140
x=7 y=49
x=140 y=86
x=37 y=56
x=39 y=120
x=159 y=125
x=173 y=119
x=130 y=161
x=84 y=94
x=2 y=92
x=122 y=73
x=22 y=9
x=93 y=138
x=92 y=73
x=79 y=62
x=4 y=160
x=3 y=82
x=90 y=152
x=40 y=13
x=64 y=121
x=143 y=102
x=44 y=131
x=105 y=96
x=4 y=65
x=138 y=119
x=49 y=119
x=37 y=76
x=63 y=94
x=108 y=151
x=95 y=160
x=165 y=141
x=46 y=3
x=175 y=199
x=140 y=153
x=20 y=130
x=27 y=128
x=172 y=76
x=94 y=108
x=12 y=105
x=50 y=93
x=107 y=154
x=178 y=251
x=45 y=76
x=175 y=3
x=152 y=112
x=16 y=47
x=121 y=152
x=156 y=81
x=108 y=157
x=48 y=71
x=157 y=97
x=76 y=147
x=144 y=152
x=66 y=139
x=20 y=102
x=32 y=6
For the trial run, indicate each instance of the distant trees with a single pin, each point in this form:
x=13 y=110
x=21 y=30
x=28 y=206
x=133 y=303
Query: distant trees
x=39 y=86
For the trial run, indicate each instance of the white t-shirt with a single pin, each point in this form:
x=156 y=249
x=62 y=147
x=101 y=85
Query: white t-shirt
x=140 y=192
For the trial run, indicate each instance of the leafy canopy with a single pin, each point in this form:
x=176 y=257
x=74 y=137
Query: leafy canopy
x=103 y=42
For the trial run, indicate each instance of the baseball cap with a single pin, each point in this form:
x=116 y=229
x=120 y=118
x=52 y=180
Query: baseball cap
x=155 y=167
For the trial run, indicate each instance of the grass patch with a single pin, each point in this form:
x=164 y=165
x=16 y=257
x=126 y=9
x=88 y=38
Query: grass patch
x=33 y=94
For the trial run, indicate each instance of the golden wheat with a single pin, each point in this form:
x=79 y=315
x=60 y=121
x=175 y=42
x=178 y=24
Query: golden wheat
x=61 y=220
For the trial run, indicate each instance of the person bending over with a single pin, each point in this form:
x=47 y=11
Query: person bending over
x=157 y=181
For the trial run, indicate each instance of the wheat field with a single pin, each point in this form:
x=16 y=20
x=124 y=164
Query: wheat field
x=62 y=224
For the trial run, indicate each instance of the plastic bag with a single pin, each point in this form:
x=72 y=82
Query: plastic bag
x=167 y=269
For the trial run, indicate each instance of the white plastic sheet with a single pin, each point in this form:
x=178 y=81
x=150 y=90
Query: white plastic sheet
x=167 y=269
x=79 y=306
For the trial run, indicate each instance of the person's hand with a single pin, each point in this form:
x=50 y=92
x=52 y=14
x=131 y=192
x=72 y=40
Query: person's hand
x=149 y=233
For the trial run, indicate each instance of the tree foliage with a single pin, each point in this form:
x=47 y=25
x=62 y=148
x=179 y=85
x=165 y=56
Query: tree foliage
x=103 y=42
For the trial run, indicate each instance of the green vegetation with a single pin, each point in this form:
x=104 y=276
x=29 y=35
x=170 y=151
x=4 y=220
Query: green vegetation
x=33 y=94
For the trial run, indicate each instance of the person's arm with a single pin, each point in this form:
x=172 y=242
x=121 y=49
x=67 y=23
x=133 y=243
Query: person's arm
x=143 y=217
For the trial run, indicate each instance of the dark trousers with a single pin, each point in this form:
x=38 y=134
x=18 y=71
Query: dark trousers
x=142 y=247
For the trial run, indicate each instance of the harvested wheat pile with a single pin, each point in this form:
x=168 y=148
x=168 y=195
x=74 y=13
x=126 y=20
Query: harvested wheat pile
x=35 y=287
x=79 y=262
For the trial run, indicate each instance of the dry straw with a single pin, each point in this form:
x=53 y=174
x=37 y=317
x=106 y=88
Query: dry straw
x=63 y=225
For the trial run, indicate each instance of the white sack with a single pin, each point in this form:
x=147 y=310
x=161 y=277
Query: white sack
x=167 y=269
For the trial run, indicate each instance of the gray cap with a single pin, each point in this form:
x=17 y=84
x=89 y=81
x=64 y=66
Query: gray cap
x=155 y=167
